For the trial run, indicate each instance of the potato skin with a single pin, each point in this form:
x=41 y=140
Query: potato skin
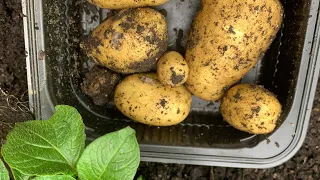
x=251 y=108
x=123 y=4
x=173 y=70
x=223 y=48
x=143 y=98
x=131 y=41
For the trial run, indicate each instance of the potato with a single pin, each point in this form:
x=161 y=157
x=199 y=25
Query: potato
x=173 y=69
x=99 y=84
x=143 y=98
x=131 y=41
x=226 y=40
x=123 y=4
x=251 y=108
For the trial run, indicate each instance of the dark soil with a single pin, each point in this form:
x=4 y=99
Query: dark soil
x=12 y=53
x=99 y=84
x=305 y=165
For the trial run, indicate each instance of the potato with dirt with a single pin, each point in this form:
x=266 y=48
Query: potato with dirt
x=226 y=40
x=143 y=98
x=251 y=108
x=99 y=84
x=173 y=70
x=129 y=42
x=123 y=4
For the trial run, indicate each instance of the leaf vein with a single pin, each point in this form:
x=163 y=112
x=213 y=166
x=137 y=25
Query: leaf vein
x=69 y=163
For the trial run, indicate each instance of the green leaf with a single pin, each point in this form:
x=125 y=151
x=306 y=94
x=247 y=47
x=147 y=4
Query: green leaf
x=19 y=176
x=140 y=177
x=56 y=177
x=46 y=147
x=113 y=156
x=4 y=175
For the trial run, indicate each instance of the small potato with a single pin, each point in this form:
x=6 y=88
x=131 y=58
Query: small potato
x=123 y=4
x=251 y=108
x=172 y=69
x=143 y=98
x=99 y=84
x=129 y=42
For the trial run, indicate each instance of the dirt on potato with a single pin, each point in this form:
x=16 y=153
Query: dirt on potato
x=99 y=84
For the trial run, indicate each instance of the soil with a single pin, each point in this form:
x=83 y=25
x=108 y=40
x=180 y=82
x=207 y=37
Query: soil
x=13 y=108
x=99 y=84
x=12 y=53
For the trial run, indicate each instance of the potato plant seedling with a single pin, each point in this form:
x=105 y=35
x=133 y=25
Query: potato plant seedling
x=55 y=149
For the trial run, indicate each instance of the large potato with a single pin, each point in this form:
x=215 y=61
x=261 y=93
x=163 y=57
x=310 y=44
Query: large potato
x=129 y=42
x=227 y=38
x=251 y=108
x=123 y=4
x=173 y=70
x=143 y=98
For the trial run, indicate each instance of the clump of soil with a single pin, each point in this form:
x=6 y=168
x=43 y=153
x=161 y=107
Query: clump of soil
x=99 y=84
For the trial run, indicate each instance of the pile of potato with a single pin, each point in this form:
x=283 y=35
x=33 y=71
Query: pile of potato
x=226 y=40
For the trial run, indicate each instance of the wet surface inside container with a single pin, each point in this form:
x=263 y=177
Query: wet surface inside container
x=203 y=135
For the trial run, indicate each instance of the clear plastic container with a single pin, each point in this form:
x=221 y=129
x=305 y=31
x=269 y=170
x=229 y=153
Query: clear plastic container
x=56 y=65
